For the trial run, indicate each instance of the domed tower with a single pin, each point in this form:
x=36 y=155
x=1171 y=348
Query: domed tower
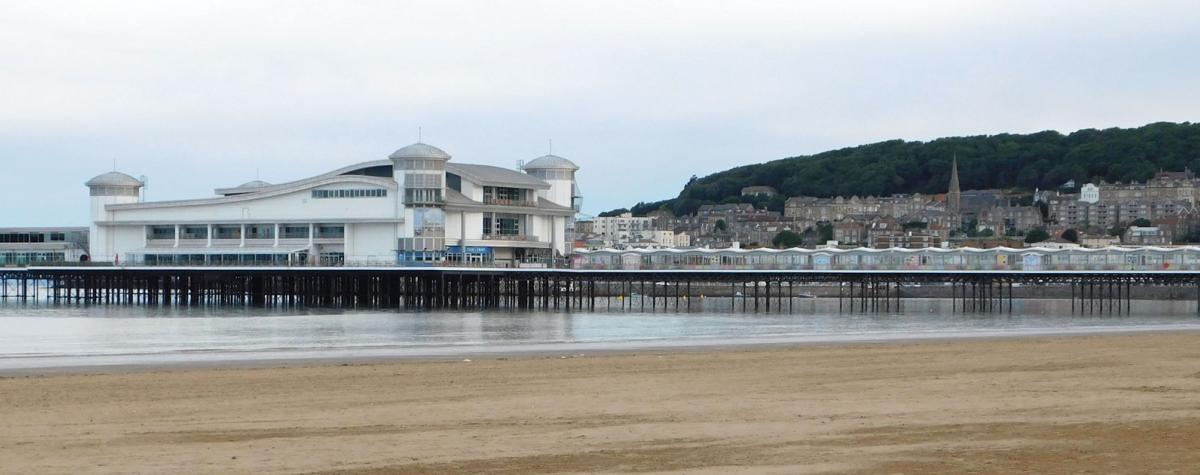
x=420 y=173
x=108 y=189
x=560 y=174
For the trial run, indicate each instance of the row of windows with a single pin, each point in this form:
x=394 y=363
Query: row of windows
x=278 y=259
x=422 y=196
x=114 y=191
x=32 y=237
x=253 y=231
x=376 y=193
x=422 y=164
x=422 y=244
x=503 y=224
x=553 y=174
x=422 y=180
x=27 y=257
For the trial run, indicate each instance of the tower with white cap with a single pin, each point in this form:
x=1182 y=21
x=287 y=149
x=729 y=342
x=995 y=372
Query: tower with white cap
x=560 y=174
x=110 y=188
x=420 y=173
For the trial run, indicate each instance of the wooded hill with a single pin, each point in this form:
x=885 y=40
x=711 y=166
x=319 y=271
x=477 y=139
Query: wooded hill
x=1039 y=160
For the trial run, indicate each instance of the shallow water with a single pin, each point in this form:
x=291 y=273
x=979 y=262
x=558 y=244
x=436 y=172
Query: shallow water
x=46 y=336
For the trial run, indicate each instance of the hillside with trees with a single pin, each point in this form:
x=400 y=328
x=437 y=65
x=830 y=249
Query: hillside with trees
x=1040 y=160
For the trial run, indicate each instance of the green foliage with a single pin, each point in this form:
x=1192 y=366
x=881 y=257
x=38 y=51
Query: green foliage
x=642 y=208
x=721 y=225
x=826 y=230
x=987 y=233
x=1141 y=222
x=615 y=212
x=786 y=239
x=1042 y=160
x=1071 y=235
x=970 y=227
x=1037 y=235
x=915 y=225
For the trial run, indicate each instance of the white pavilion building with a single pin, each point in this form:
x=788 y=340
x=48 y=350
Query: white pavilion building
x=416 y=207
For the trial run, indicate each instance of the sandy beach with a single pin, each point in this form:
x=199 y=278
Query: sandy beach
x=1116 y=403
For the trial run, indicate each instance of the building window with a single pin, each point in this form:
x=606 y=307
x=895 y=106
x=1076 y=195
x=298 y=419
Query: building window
x=162 y=232
x=193 y=232
x=22 y=258
x=294 y=232
x=331 y=231
x=504 y=196
x=260 y=231
x=422 y=180
x=371 y=193
x=22 y=237
x=227 y=232
x=502 y=224
x=422 y=196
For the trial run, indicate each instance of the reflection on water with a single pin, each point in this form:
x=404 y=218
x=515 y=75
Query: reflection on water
x=43 y=335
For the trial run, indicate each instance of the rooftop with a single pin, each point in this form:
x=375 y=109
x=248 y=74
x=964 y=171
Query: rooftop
x=420 y=150
x=114 y=178
x=545 y=162
x=490 y=176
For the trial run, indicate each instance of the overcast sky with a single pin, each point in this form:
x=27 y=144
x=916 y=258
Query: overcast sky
x=642 y=95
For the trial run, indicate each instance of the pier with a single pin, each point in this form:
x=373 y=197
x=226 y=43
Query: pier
x=565 y=289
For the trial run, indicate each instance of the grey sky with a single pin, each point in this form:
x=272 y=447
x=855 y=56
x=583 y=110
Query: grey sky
x=198 y=95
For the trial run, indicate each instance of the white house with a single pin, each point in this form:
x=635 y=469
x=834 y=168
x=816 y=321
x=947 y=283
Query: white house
x=414 y=207
x=1089 y=193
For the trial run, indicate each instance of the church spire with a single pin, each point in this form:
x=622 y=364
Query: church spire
x=954 y=196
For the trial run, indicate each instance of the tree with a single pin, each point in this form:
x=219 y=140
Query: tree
x=721 y=225
x=1071 y=235
x=826 y=230
x=915 y=225
x=615 y=212
x=1037 y=235
x=1042 y=160
x=786 y=239
x=1141 y=222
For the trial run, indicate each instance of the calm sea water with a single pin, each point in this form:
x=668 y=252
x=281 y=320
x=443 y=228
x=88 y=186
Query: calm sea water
x=47 y=336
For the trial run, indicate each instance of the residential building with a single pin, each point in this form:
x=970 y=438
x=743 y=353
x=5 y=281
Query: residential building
x=1099 y=241
x=622 y=228
x=1145 y=236
x=763 y=191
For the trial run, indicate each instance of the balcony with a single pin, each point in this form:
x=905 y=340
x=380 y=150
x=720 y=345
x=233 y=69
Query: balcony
x=488 y=200
x=424 y=201
x=508 y=237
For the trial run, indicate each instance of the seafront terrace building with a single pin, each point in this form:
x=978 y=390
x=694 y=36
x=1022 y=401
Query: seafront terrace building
x=998 y=258
x=415 y=207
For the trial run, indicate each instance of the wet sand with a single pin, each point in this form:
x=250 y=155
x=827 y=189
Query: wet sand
x=1101 y=404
